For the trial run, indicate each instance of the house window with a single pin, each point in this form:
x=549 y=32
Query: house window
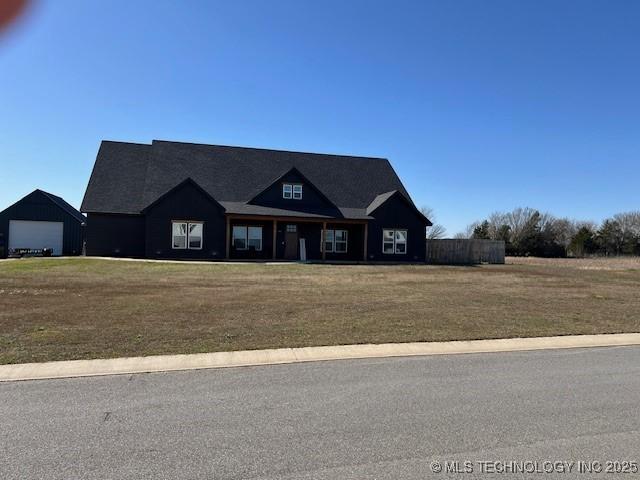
x=179 y=235
x=247 y=238
x=255 y=238
x=328 y=241
x=335 y=241
x=401 y=241
x=394 y=241
x=291 y=190
x=340 y=245
x=239 y=237
x=195 y=236
x=292 y=228
x=186 y=235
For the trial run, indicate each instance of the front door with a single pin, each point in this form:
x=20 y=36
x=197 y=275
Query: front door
x=291 y=242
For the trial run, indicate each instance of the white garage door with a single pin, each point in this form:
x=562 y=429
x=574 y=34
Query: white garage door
x=29 y=234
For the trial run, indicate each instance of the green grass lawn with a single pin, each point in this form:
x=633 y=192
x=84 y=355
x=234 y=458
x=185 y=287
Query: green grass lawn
x=56 y=309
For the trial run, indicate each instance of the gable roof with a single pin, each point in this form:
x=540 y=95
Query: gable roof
x=385 y=197
x=118 y=179
x=189 y=181
x=297 y=173
x=64 y=205
x=379 y=200
x=127 y=177
x=57 y=201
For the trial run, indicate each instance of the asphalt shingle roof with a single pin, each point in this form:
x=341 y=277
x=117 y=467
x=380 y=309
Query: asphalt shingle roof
x=64 y=205
x=57 y=201
x=379 y=200
x=127 y=177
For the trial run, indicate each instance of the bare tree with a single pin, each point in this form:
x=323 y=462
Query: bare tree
x=529 y=231
x=518 y=220
x=629 y=223
x=436 y=230
x=591 y=225
x=468 y=231
x=562 y=230
x=629 y=226
x=497 y=220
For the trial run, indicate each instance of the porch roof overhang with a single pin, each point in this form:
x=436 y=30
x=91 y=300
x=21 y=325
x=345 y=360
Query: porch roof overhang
x=236 y=216
x=245 y=210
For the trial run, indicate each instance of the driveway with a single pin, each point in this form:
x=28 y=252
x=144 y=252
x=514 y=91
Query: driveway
x=384 y=419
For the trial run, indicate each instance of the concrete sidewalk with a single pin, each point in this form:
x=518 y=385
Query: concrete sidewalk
x=164 y=363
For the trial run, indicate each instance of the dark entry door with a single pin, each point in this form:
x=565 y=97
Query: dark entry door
x=291 y=242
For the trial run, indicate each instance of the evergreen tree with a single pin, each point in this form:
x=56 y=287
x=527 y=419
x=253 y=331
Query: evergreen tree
x=583 y=242
x=504 y=233
x=527 y=231
x=481 y=232
x=530 y=239
x=610 y=237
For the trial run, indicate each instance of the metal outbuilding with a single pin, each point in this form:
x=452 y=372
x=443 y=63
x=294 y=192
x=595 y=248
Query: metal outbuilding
x=40 y=221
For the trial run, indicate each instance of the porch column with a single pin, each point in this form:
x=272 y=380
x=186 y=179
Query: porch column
x=322 y=243
x=275 y=229
x=227 y=238
x=366 y=241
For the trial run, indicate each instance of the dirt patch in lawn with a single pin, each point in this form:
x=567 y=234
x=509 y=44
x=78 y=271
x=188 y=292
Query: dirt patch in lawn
x=57 y=309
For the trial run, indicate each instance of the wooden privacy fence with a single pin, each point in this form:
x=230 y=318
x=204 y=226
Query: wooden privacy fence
x=464 y=251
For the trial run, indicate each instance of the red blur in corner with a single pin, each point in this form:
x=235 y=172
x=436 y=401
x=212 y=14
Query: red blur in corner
x=10 y=10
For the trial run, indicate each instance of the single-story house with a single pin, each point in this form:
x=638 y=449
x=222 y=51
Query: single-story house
x=191 y=201
x=40 y=221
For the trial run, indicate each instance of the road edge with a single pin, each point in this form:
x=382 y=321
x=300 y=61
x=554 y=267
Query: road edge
x=246 y=358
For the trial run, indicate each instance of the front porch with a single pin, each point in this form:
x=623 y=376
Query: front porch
x=295 y=238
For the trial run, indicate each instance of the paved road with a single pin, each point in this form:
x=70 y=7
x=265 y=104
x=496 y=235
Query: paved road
x=383 y=419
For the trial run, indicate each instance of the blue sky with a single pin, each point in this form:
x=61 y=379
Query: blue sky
x=480 y=105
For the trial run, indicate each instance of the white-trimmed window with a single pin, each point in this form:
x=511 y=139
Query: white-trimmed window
x=186 y=235
x=340 y=241
x=394 y=241
x=247 y=237
x=328 y=241
x=195 y=236
x=292 y=190
x=254 y=234
x=335 y=241
x=239 y=239
x=179 y=232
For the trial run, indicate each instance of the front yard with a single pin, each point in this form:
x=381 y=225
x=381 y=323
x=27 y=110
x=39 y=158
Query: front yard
x=58 y=309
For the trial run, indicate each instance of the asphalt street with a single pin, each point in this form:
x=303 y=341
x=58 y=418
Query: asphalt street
x=487 y=415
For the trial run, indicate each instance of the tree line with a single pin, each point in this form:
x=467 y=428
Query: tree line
x=527 y=231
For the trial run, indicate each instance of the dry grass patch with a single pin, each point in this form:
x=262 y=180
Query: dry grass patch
x=596 y=263
x=54 y=309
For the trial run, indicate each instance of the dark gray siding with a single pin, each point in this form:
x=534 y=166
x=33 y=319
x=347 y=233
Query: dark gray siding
x=309 y=231
x=395 y=213
x=355 y=242
x=312 y=233
x=267 y=240
x=187 y=202
x=113 y=235
x=38 y=207
x=311 y=202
